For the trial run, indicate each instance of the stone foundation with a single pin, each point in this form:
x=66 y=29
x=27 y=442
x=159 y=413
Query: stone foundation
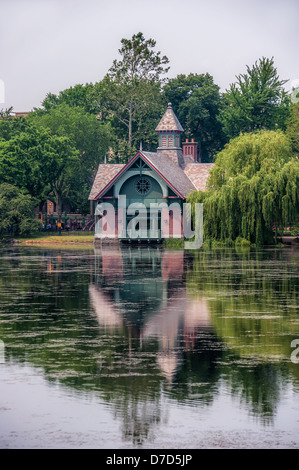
x=99 y=242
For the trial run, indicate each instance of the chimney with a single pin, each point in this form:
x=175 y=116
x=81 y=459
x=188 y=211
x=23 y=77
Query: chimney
x=190 y=150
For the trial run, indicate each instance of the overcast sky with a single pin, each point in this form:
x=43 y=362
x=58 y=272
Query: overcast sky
x=50 y=45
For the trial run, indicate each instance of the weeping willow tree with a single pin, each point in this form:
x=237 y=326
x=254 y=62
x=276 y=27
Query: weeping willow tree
x=253 y=189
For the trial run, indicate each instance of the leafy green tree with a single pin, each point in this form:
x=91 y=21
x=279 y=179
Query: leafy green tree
x=17 y=214
x=39 y=162
x=256 y=101
x=252 y=189
x=196 y=101
x=131 y=89
x=111 y=103
x=77 y=96
x=87 y=134
x=9 y=125
x=293 y=129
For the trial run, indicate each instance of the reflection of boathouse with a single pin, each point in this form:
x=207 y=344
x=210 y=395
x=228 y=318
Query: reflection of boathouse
x=144 y=199
x=144 y=290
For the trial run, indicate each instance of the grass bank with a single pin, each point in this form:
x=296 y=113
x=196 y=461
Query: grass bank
x=67 y=238
x=87 y=238
x=215 y=244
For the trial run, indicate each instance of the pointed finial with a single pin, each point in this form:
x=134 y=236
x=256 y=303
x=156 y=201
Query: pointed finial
x=105 y=159
x=140 y=147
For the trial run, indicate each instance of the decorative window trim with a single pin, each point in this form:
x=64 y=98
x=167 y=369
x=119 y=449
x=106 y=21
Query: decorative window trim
x=142 y=186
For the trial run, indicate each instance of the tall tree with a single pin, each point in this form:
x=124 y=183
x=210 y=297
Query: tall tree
x=293 y=129
x=40 y=162
x=77 y=96
x=132 y=84
x=253 y=187
x=9 y=126
x=256 y=101
x=196 y=100
x=87 y=134
x=17 y=211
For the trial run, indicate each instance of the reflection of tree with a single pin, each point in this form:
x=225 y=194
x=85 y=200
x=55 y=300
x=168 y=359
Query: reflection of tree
x=133 y=325
x=197 y=380
x=38 y=298
x=138 y=415
x=252 y=301
x=254 y=298
x=260 y=387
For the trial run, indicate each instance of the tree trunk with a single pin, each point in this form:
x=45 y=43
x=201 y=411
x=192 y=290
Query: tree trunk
x=130 y=125
x=58 y=197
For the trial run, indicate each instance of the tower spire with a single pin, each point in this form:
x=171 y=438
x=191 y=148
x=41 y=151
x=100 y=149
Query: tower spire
x=169 y=121
x=170 y=130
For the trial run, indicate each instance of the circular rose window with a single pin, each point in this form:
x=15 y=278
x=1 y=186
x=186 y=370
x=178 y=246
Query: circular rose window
x=142 y=186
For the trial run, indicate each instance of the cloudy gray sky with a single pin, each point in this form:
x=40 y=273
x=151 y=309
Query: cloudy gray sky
x=50 y=45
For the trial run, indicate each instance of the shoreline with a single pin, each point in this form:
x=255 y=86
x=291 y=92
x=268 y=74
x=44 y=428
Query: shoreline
x=54 y=239
x=87 y=240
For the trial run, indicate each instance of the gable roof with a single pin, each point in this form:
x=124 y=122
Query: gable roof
x=105 y=173
x=169 y=121
x=172 y=174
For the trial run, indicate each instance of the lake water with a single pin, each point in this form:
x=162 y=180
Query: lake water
x=144 y=348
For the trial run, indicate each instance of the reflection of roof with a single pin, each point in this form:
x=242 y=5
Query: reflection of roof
x=169 y=121
x=105 y=309
x=198 y=174
x=104 y=175
x=168 y=363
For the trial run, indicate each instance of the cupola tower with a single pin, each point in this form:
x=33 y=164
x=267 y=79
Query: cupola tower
x=169 y=130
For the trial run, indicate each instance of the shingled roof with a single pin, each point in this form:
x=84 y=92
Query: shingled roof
x=193 y=177
x=182 y=177
x=198 y=174
x=169 y=121
x=169 y=171
x=172 y=173
x=106 y=172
